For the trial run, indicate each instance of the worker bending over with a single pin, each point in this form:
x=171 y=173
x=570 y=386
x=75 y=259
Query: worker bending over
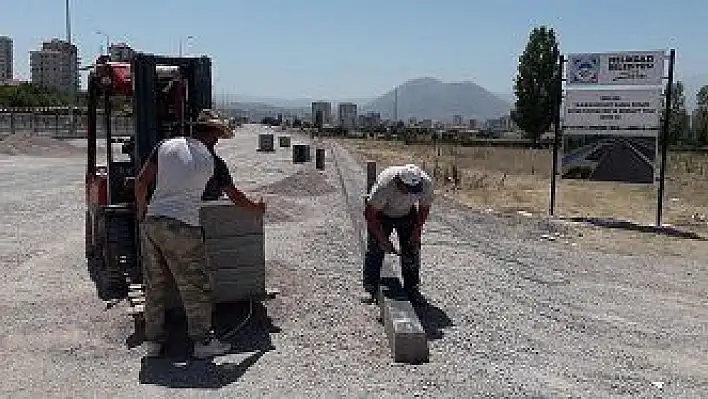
x=171 y=234
x=390 y=205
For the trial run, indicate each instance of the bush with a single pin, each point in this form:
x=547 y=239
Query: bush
x=30 y=95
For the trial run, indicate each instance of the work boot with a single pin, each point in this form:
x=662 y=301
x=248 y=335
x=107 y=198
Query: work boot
x=371 y=294
x=210 y=347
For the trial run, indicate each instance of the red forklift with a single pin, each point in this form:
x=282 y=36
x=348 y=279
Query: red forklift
x=166 y=94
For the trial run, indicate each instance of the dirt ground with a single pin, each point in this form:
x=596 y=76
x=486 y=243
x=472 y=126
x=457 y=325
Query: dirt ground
x=508 y=180
x=34 y=145
x=507 y=315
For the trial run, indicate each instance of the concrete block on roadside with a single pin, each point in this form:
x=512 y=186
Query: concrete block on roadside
x=406 y=335
x=223 y=219
x=284 y=141
x=301 y=153
x=266 y=143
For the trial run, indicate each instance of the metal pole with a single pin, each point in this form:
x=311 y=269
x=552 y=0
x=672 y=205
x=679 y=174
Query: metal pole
x=68 y=23
x=190 y=37
x=395 y=105
x=108 y=41
x=556 y=134
x=72 y=88
x=664 y=139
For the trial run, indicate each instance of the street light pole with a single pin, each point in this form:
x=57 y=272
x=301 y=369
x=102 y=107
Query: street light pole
x=108 y=41
x=72 y=88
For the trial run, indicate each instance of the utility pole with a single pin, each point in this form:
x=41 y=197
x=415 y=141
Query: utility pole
x=73 y=71
x=183 y=40
x=108 y=41
x=395 y=105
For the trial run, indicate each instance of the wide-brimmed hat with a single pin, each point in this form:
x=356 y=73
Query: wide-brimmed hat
x=209 y=118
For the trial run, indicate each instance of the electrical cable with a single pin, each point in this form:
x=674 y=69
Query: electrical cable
x=231 y=333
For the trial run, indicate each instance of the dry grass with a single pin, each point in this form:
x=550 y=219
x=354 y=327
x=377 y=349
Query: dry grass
x=507 y=179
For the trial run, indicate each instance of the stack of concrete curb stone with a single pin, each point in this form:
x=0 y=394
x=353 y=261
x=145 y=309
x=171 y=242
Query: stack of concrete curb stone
x=235 y=246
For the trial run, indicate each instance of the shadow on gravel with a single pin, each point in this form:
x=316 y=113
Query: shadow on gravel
x=433 y=319
x=627 y=225
x=177 y=370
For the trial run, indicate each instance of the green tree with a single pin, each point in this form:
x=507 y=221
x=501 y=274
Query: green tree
x=30 y=95
x=700 y=122
x=537 y=83
x=679 y=123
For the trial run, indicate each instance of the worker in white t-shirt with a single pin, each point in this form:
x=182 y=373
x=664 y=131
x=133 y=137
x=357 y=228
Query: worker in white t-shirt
x=399 y=200
x=172 y=238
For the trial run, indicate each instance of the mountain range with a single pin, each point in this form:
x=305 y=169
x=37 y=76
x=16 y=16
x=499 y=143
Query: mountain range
x=427 y=98
x=430 y=98
x=422 y=98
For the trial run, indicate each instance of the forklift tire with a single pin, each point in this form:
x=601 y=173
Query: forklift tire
x=90 y=250
x=117 y=286
x=97 y=272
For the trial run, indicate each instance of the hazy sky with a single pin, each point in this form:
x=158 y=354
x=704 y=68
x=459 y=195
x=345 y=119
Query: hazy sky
x=346 y=48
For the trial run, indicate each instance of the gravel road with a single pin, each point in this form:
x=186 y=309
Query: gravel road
x=509 y=315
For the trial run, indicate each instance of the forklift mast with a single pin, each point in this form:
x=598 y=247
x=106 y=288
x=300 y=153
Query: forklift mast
x=150 y=128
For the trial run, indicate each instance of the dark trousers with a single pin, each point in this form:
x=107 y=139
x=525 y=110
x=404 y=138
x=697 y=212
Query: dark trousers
x=410 y=254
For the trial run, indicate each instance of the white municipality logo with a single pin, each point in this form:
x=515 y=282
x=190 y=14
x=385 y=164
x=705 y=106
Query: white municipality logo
x=585 y=68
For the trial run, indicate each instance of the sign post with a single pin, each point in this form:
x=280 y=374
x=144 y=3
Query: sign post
x=556 y=134
x=665 y=139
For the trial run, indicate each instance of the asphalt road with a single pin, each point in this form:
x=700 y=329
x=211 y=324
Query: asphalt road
x=510 y=315
x=625 y=161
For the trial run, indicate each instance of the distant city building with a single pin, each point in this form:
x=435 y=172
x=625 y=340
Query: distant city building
x=55 y=66
x=361 y=120
x=370 y=119
x=321 y=112
x=427 y=123
x=412 y=121
x=457 y=120
x=473 y=124
x=5 y=59
x=347 y=115
x=504 y=123
x=120 y=52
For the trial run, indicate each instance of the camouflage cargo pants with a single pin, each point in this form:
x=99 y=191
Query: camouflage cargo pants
x=172 y=247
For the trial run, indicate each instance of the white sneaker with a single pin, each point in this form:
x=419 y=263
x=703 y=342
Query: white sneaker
x=213 y=348
x=152 y=349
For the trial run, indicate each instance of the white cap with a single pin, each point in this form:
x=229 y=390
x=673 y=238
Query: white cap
x=412 y=176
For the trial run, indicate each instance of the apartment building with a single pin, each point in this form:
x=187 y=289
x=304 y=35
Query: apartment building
x=321 y=111
x=55 y=66
x=347 y=115
x=370 y=120
x=6 y=62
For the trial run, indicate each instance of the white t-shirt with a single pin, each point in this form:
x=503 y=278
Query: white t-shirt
x=388 y=199
x=184 y=165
